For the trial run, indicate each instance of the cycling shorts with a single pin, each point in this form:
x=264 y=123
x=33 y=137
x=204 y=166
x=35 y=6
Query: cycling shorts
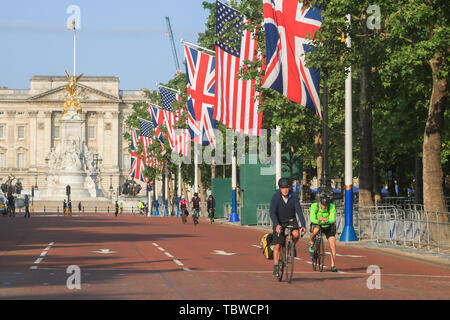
x=329 y=231
x=281 y=238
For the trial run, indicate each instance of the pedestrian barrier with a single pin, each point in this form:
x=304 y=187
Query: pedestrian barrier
x=402 y=225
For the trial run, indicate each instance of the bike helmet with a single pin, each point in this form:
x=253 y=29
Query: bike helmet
x=324 y=197
x=196 y=194
x=284 y=183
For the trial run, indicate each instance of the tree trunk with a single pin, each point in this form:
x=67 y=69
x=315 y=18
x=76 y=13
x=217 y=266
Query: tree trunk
x=319 y=157
x=213 y=169
x=366 y=148
x=200 y=186
x=433 y=193
x=418 y=183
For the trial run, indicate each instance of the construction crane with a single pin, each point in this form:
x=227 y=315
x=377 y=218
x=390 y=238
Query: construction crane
x=174 y=49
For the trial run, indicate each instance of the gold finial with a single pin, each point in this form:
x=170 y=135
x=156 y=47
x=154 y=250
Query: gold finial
x=71 y=89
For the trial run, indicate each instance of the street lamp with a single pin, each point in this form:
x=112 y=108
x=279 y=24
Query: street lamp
x=97 y=159
x=35 y=181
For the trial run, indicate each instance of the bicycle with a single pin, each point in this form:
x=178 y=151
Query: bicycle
x=184 y=216
x=211 y=215
x=287 y=255
x=195 y=216
x=318 y=257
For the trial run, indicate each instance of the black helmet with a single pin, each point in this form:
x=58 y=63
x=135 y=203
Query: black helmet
x=196 y=194
x=324 y=198
x=284 y=183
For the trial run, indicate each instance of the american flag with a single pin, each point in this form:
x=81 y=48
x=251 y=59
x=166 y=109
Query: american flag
x=237 y=101
x=180 y=142
x=201 y=96
x=149 y=158
x=157 y=120
x=137 y=163
x=287 y=24
x=146 y=128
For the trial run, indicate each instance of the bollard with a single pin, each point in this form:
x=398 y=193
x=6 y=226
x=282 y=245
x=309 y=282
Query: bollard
x=107 y=210
x=95 y=210
x=57 y=211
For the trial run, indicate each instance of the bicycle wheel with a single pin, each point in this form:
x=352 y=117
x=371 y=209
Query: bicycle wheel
x=290 y=261
x=315 y=256
x=281 y=262
x=322 y=254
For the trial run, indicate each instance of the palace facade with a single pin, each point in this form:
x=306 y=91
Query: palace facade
x=30 y=127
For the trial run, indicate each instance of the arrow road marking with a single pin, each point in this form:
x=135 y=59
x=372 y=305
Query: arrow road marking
x=221 y=252
x=104 y=251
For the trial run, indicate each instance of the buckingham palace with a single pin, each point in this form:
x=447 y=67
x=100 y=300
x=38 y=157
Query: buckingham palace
x=30 y=128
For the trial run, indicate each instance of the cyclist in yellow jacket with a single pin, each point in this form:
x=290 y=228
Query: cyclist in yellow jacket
x=323 y=215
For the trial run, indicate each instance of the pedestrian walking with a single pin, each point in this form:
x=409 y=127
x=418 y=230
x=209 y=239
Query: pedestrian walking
x=211 y=206
x=64 y=206
x=121 y=208
x=79 y=207
x=116 y=212
x=27 y=206
x=11 y=206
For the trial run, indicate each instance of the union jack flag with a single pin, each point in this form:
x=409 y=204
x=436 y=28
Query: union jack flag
x=137 y=163
x=201 y=96
x=179 y=142
x=237 y=101
x=157 y=119
x=287 y=24
x=149 y=159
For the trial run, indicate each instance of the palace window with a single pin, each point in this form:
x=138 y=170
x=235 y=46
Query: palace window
x=2 y=129
x=21 y=160
x=126 y=161
x=21 y=132
x=2 y=160
x=91 y=132
x=56 y=132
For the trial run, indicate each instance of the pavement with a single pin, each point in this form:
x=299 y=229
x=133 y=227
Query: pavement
x=159 y=258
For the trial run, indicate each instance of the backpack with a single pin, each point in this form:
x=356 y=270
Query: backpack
x=266 y=246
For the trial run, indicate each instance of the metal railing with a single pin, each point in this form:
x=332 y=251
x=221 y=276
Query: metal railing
x=405 y=226
x=227 y=208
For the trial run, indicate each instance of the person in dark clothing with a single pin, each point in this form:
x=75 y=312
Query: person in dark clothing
x=117 y=209
x=211 y=206
x=283 y=207
x=79 y=207
x=64 y=206
x=27 y=206
x=11 y=206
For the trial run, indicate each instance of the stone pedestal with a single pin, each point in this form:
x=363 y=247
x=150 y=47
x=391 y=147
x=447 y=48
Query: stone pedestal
x=72 y=163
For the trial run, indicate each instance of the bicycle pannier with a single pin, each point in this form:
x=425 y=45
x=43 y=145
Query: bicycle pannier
x=266 y=246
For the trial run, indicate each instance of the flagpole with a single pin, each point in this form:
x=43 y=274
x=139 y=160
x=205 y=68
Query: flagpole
x=234 y=217
x=149 y=200
x=196 y=46
x=166 y=191
x=156 y=196
x=74 y=51
x=348 y=233
x=179 y=190
x=278 y=158
x=196 y=146
x=168 y=88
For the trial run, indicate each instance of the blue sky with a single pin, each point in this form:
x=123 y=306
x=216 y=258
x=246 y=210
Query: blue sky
x=117 y=38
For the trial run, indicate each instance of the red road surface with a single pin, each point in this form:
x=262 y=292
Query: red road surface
x=160 y=258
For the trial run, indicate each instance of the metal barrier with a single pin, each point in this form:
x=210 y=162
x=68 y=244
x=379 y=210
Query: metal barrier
x=405 y=226
x=227 y=208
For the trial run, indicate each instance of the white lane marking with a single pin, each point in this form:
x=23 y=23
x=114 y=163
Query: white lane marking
x=178 y=262
x=104 y=251
x=186 y=269
x=344 y=255
x=43 y=253
x=254 y=245
x=161 y=249
x=168 y=254
x=155 y=244
x=221 y=252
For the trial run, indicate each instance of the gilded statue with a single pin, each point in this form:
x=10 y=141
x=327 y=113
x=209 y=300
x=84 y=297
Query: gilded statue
x=71 y=89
